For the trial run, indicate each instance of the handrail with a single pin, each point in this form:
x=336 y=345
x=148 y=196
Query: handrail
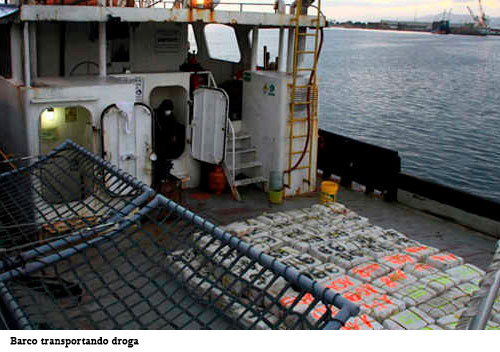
x=233 y=143
x=481 y=319
x=153 y=3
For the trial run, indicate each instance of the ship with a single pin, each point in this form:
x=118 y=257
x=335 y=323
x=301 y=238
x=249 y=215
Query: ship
x=114 y=214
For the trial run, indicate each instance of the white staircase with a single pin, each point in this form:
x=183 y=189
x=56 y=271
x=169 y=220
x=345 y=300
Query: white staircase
x=241 y=165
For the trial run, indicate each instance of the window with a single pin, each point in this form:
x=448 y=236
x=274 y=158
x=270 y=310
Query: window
x=193 y=46
x=268 y=38
x=222 y=43
x=5 y=60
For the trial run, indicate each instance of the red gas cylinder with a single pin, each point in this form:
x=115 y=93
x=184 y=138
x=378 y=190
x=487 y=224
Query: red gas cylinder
x=217 y=180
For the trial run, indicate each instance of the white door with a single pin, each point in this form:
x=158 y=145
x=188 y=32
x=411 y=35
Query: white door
x=210 y=111
x=127 y=140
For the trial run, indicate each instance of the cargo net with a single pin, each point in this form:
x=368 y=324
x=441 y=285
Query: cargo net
x=60 y=199
x=167 y=268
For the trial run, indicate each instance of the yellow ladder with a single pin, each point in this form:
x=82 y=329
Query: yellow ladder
x=300 y=128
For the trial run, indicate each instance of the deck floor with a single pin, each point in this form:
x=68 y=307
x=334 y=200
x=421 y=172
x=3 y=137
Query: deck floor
x=475 y=247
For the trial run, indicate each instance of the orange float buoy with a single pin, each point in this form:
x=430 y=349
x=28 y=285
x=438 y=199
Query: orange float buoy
x=217 y=180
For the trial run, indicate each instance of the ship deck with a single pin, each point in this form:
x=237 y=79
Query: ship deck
x=437 y=231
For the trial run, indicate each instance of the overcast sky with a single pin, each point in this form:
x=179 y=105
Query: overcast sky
x=377 y=9
x=367 y=10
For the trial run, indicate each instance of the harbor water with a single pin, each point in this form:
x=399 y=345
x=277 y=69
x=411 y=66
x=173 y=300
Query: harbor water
x=434 y=98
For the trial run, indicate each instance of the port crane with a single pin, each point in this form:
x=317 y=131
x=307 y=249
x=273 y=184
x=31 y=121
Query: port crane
x=480 y=21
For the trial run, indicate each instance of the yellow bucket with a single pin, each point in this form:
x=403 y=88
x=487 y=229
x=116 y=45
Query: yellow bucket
x=329 y=191
x=276 y=197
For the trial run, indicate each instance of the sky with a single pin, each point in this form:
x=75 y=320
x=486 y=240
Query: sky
x=367 y=10
x=375 y=10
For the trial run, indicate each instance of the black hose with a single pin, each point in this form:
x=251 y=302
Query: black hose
x=308 y=109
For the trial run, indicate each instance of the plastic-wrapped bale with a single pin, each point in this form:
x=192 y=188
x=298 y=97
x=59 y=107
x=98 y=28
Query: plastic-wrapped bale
x=445 y=260
x=265 y=242
x=274 y=218
x=390 y=236
x=409 y=319
x=397 y=261
x=302 y=262
x=439 y=282
x=420 y=270
x=415 y=294
x=431 y=327
x=231 y=273
x=373 y=248
x=289 y=234
x=420 y=252
x=322 y=251
x=372 y=231
x=402 y=243
x=465 y=273
x=336 y=208
x=264 y=287
x=362 y=322
x=383 y=306
x=468 y=288
x=336 y=234
x=323 y=272
x=364 y=293
x=352 y=223
x=241 y=229
x=296 y=214
x=298 y=308
x=253 y=318
x=394 y=281
x=369 y=271
x=495 y=312
x=305 y=242
x=181 y=259
x=445 y=304
x=450 y=322
x=202 y=240
x=284 y=253
x=341 y=283
x=350 y=258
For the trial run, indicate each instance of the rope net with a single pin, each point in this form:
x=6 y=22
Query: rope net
x=162 y=267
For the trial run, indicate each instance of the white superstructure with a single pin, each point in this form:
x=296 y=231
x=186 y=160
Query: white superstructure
x=76 y=72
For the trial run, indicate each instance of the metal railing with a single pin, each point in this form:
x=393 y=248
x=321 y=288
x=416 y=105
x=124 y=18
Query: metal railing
x=233 y=151
x=478 y=312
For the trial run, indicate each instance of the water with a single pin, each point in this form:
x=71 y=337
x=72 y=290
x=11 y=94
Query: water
x=433 y=98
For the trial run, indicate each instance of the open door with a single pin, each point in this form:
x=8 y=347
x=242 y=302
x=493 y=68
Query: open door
x=127 y=140
x=210 y=113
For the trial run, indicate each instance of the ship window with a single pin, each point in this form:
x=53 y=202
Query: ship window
x=269 y=38
x=193 y=46
x=5 y=60
x=222 y=43
x=119 y=35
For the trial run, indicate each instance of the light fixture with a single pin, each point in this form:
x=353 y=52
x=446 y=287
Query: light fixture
x=204 y=4
x=48 y=118
x=49 y=114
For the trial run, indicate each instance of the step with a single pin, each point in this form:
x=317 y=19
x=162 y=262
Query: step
x=250 y=180
x=239 y=138
x=242 y=150
x=247 y=165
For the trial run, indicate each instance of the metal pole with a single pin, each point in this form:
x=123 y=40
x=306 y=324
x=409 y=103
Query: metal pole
x=289 y=58
x=27 y=61
x=102 y=49
x=481 y=319
x=281 y=51
x=33 y=52
x=255 y=48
